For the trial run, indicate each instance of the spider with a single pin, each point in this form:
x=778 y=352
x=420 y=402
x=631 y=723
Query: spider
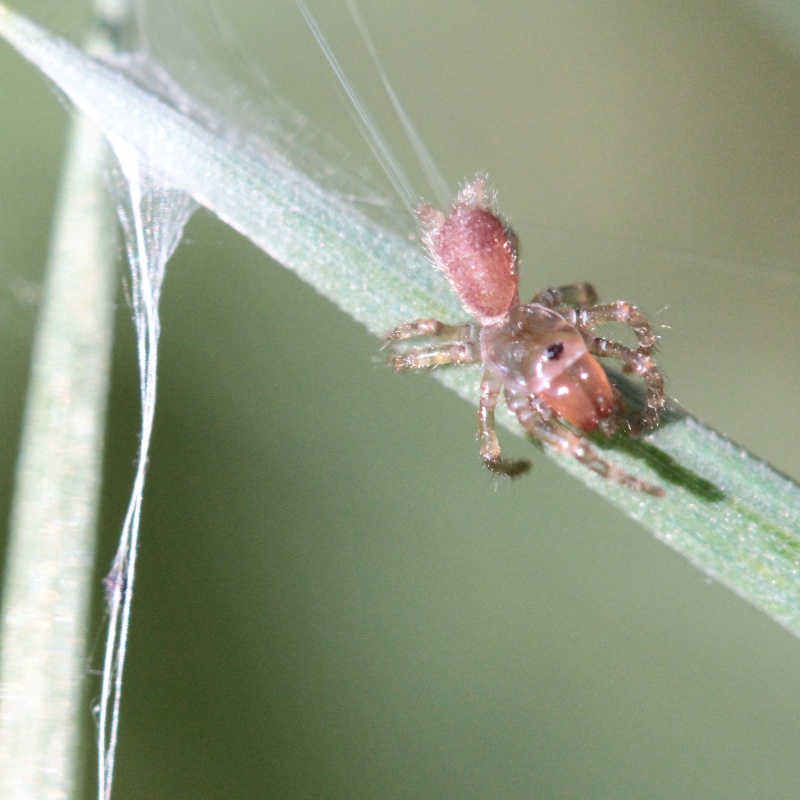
x=542 y=354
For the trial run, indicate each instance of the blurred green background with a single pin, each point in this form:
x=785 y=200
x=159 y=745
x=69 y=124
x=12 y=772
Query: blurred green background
x=333 y=598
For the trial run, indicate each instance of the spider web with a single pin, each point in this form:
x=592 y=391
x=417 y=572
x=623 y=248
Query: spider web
x=153 y=216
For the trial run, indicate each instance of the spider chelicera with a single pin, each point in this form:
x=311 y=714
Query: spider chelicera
x=542 y=354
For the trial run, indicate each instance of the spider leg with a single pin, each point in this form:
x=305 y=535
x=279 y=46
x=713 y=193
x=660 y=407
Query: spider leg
x=436 y=355
x=432 y=328
x=589 y=318
x=460 y=345
x=644 y=367
x=487 y=436
x=548 y=428
x=574 y=295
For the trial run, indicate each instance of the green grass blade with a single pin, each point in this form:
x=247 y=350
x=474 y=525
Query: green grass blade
x=729 y=513
x=50 y=561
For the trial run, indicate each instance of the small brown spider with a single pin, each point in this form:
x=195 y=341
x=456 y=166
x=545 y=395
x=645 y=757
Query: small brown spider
x=542 y=354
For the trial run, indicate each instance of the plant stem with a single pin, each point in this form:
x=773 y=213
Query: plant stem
x=50 y=559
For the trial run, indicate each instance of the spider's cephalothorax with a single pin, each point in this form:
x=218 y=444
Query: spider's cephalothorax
x=542 y=354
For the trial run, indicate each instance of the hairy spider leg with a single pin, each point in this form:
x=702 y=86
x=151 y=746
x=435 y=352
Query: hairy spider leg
x=436 y=356
x=460 y=345
x=487 y=436
x=419 y=328
x=622 y=312
x=542 y=423
x=644 y=367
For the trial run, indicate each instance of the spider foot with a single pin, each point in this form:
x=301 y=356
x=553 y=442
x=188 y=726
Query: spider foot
x=403 y=361
x=646 y=422
x=435 y=356
x=609 y=427
x=636 y=485
x=430 y=329
x=413 y=329
x=498 y=465
x=605 y=469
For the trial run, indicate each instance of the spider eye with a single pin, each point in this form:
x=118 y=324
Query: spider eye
x=554 y=352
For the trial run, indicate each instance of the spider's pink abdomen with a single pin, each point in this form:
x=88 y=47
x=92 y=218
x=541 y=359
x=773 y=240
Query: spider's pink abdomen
x=582 y=394
x=477 y=254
